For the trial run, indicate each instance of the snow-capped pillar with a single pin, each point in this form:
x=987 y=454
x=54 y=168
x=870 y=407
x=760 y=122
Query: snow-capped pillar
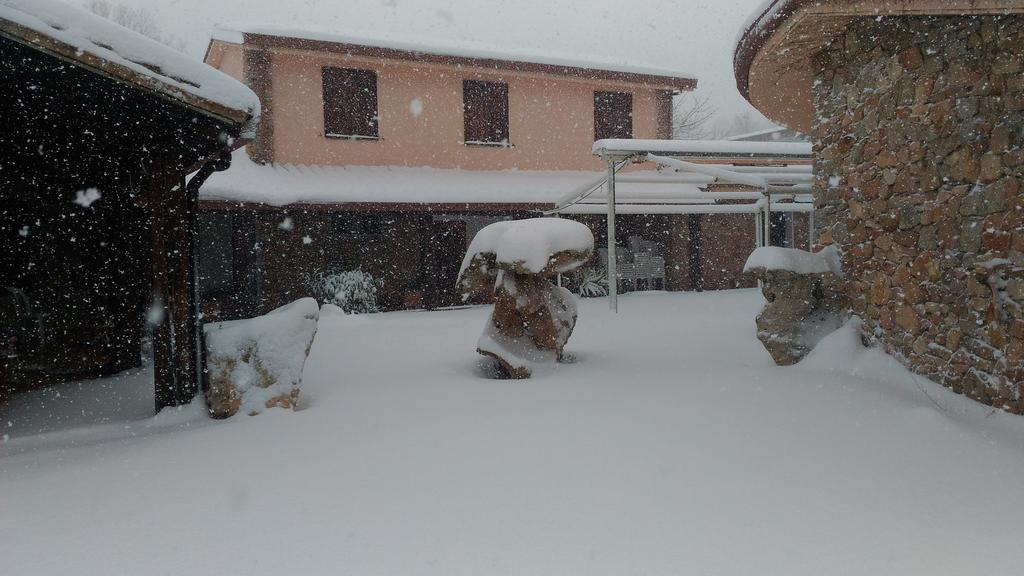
x=613 y=280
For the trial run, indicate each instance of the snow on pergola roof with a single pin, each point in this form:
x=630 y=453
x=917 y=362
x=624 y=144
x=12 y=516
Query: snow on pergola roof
x=80 y=36
x=466 y=53
x=283 y=185
x=717 y=149
x=774 y=131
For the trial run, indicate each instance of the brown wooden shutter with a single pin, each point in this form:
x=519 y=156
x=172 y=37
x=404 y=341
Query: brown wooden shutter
x=350 y=102
x=613 y=115
x=485 y=112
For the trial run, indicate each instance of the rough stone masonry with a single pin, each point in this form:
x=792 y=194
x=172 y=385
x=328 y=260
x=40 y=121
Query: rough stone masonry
x=919 y=167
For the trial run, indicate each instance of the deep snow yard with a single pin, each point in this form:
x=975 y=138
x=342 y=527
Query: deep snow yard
x=671 y=446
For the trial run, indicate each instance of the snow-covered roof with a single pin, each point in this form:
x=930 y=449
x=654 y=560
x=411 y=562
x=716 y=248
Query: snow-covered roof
x=463 y=50
x=281 y=185
x=761 y=17
x=711 y=148
x=96 y=42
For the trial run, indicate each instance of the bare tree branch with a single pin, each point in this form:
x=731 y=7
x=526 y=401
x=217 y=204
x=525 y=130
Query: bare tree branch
x=140 y=20
x=690 y=117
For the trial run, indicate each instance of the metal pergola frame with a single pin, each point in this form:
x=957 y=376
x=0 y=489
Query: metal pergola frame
x=775 y=171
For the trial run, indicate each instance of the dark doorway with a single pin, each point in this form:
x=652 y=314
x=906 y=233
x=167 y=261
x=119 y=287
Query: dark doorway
x=445 y=248
x=695 y=267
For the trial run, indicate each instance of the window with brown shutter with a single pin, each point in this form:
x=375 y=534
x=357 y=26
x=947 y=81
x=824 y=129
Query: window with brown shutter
x=613 y=115
x=350 y=103
x=485 y=112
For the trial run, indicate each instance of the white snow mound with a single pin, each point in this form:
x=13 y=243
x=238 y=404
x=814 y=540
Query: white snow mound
x=530 y=243
x=794 y=260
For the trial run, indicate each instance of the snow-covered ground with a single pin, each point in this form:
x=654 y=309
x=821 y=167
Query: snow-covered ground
x=671 y=446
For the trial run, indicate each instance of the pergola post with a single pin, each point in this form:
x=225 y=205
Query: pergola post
x=613 y=280
x=810 y=231
x=758 y=230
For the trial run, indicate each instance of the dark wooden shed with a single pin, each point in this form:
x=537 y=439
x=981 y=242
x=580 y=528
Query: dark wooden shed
x=101 y=130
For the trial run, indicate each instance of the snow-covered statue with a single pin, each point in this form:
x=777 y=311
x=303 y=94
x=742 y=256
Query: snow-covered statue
x=518 y=260
x=802 y=299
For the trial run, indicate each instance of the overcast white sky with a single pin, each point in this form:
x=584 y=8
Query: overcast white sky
x=696 y=37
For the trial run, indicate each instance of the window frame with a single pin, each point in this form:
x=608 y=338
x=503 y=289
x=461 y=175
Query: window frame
x=607 y=107
x=340 y=123
x=469 y=119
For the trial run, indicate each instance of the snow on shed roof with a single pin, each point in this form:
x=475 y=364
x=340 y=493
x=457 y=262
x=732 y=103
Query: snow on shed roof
x=482 y=54
x=79 y=35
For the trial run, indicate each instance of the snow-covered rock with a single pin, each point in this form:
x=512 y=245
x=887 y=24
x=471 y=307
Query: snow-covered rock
x=256 y=364
x=532 y=318
x=803 y=300
x=521 y=338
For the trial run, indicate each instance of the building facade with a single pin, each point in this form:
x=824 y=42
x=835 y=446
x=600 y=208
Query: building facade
x=388 y=158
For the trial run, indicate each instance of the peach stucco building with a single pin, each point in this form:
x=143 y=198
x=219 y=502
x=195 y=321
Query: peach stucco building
x=388 y=157
x=420 y=103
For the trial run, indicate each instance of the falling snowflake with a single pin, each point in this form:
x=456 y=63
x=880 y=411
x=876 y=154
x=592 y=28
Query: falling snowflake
x=307 y=240
x=24 y=230
x=416 y=107
x=85 y=198
x=155 y=314
x=286 y=224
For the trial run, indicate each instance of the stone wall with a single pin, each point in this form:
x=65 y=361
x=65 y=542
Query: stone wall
x=919 y=165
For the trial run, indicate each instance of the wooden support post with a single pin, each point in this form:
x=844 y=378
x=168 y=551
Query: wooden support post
x=159 y=317
x=175 y=354
x=183 y=296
